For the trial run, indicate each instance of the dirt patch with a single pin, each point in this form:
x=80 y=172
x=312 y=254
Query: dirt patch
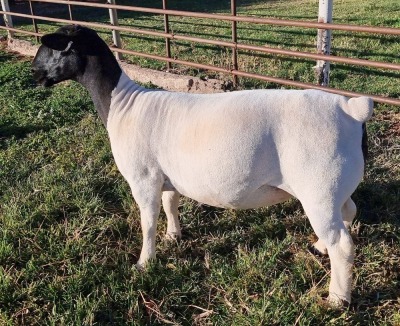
x=22 y=47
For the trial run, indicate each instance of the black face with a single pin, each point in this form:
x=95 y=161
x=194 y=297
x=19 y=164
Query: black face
x=78 y=53
x=52 y=66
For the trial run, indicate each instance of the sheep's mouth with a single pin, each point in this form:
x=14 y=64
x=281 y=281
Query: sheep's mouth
x=41 y=78
x=44 y=81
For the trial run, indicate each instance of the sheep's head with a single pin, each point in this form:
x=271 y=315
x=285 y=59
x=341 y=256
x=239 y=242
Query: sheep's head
x=64 y=54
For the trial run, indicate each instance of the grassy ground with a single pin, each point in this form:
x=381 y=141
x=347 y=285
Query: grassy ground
x=70 y=231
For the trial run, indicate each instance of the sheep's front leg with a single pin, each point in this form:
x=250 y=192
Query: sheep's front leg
x=148 y=220
x=170 y=201
x=147 y=194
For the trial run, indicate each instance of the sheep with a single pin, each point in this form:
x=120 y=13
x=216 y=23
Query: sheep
x=239 y=150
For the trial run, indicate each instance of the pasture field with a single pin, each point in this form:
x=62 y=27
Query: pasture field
x=70 y=230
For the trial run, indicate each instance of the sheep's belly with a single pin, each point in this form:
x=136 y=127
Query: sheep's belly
x=263 y=196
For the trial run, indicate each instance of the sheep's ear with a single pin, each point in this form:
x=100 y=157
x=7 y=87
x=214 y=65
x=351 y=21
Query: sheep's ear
x=55 y=41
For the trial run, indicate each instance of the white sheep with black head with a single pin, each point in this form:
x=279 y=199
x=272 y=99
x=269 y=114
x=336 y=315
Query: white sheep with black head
x=243 y=149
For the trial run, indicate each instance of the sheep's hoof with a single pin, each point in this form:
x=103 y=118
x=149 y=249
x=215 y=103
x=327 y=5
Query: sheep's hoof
x=143 y=264
x=140 y=267
x=172 y=236
x=317 y=251
x=338 y=303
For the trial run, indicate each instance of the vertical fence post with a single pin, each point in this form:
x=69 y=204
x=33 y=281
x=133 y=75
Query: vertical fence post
x=167 y=40
x=70 y=11
x=116 y=35
x=324 y=41
x=7 y=18
x=234 y=40
x=35 y=27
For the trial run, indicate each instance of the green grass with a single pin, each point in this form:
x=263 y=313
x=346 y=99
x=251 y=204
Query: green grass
x=70 y=231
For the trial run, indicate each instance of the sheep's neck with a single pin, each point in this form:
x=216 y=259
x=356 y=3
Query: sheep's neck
x=101 y=76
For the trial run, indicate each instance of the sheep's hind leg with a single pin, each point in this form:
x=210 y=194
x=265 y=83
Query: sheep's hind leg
x=170 y=201
x=349 y=211
x=329 y=226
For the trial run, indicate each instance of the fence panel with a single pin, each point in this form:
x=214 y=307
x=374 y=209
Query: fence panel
x=167 y=40
x=115 y=33
x=233 y=44
x=324 y=41
x=7 y=17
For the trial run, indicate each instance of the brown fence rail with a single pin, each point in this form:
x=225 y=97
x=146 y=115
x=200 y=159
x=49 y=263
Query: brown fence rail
x=233 y=45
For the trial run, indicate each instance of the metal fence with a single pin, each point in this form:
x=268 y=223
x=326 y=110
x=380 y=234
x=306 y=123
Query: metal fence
x=233 y=45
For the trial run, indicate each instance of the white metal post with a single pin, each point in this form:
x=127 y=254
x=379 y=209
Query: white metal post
x=324 y=41
x=116 y=35
x=7 y=18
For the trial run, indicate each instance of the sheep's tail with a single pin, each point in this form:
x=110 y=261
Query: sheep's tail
x=364 y=142
x=360 y=108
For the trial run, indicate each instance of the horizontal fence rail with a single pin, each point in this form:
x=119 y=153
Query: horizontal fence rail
x=12 y=29
x=234 y=45
x=264 y=49
x=246 y=19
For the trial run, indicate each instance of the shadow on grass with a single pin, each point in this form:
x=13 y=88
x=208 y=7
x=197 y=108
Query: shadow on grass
x=379 y=202
x=5 y=57
x=20 y=132
x=341 y=72
x=379 y=218
x=188 y=5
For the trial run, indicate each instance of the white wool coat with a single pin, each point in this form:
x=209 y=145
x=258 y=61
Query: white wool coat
x=243 y=149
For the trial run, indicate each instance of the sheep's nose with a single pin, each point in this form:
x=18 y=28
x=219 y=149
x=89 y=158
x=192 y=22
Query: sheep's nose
x=36 y=72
